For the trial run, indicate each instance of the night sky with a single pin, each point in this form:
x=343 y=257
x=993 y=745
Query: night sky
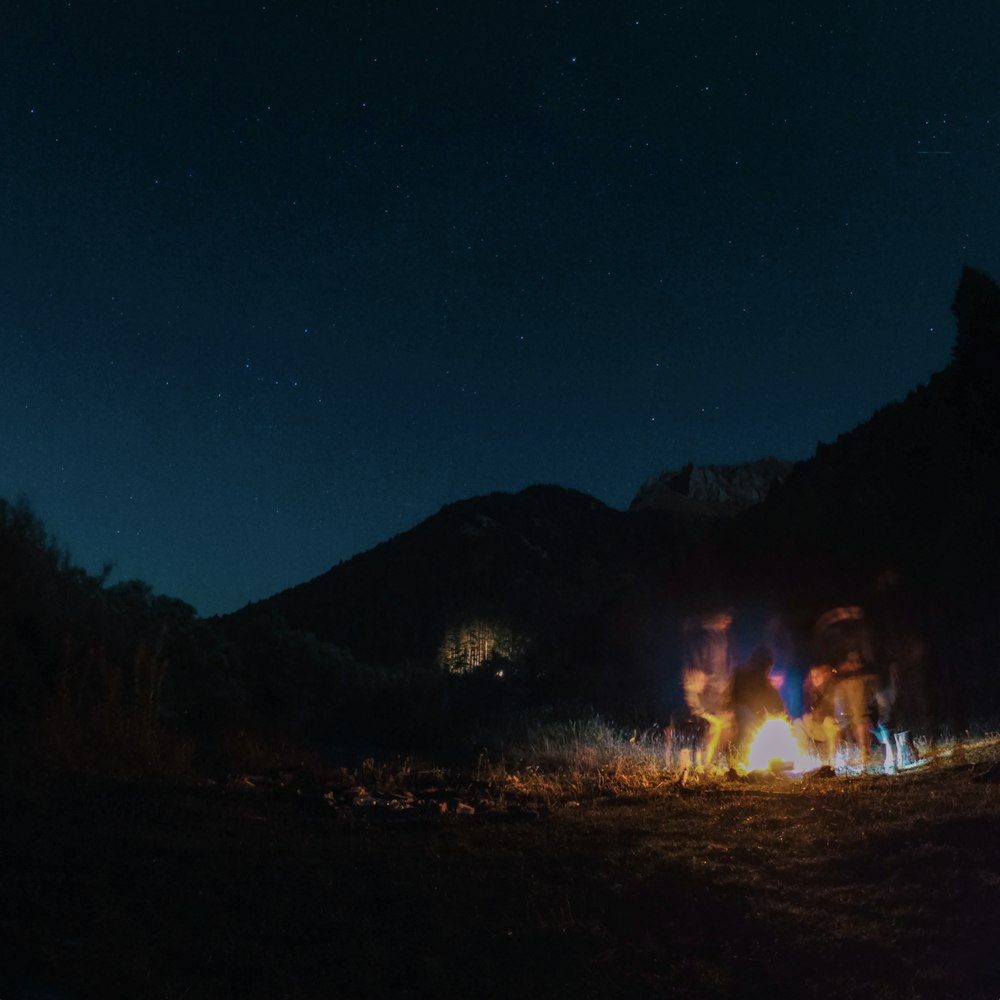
x=281 y=279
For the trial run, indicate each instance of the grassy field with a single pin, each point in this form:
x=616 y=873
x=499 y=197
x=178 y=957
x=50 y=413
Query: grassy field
x=606 y=879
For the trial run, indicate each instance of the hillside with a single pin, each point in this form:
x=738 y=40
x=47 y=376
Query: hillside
x=549 y=584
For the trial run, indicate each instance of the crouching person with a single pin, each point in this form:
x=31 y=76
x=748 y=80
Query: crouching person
x=818 y=729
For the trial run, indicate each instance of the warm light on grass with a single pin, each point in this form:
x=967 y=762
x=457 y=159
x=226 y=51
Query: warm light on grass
x=579 y=757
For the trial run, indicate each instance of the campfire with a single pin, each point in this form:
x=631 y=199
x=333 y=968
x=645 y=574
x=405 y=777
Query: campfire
x=775 y=748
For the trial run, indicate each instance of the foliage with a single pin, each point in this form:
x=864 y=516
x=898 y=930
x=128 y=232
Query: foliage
x=95 y=677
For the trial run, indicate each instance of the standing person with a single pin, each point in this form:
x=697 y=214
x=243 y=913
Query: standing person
x=707 y=680
x=840 y=631
x=901 y=660
x=843 y=639
x=755 y=696
x=855 y=687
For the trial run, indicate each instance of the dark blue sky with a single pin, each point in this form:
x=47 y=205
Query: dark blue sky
x=279 y=279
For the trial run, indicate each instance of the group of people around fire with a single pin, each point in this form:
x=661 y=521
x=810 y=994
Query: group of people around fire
x=846 y=705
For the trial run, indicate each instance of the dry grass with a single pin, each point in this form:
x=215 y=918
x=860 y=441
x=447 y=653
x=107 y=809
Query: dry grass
x=577 y=759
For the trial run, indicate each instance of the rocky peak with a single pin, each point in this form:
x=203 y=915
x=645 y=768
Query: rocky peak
x=712 y=489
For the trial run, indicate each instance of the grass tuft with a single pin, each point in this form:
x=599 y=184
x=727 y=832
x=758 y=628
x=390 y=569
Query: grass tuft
x=555 y=761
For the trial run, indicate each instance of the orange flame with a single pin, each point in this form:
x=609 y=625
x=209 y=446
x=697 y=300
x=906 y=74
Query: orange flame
x=775 y=748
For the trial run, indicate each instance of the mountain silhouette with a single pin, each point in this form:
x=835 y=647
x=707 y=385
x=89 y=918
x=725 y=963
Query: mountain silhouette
x=556 y=584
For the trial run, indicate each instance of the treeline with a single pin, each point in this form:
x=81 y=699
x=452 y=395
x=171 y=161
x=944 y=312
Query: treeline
x=91 y=675
x=115 y=678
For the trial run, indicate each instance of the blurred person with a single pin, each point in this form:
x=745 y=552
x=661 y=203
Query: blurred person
x=755 y=695
x=842 y=638
x=855 y=684
x=818 y=725
x=840 y=631
x=689 y=732
x=901 y=653
x=707 y=681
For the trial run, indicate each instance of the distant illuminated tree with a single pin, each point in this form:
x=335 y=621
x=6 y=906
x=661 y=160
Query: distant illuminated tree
x=468 y=647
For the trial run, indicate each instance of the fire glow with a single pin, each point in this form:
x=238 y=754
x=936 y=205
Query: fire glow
x=775 y=748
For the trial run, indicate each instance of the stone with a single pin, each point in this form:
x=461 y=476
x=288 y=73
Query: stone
x=712 y=489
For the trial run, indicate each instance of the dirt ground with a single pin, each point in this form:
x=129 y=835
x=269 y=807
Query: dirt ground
x=877 y=886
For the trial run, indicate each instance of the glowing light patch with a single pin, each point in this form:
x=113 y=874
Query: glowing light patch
x=774 y=748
